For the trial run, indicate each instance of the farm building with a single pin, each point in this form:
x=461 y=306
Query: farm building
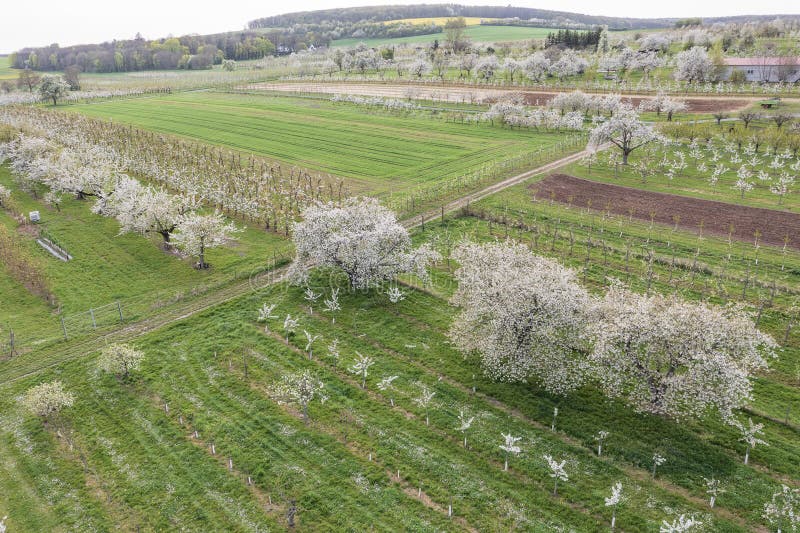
x=764 y=69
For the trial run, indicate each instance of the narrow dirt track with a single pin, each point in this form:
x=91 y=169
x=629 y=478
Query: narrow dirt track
x=470 y=95
x=454 y=205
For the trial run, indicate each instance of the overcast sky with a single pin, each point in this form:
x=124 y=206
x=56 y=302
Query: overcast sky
x=39 y=23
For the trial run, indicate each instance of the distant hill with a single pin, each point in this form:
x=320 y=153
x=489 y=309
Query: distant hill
x=398 y=12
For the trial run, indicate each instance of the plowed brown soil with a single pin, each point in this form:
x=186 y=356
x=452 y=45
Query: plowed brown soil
x=692 y=213
x=466 y=94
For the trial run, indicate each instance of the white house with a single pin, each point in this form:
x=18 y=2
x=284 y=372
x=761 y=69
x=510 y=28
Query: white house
x=764 y=69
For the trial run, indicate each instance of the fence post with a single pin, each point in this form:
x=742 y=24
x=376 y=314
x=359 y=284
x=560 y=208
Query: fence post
x=94 y=322
x=64 y=327
x=119 y=308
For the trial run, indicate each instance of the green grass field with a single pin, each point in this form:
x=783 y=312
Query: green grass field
x=6 y=72
x=379 y=152
x=198 y=439
x=483 y=34
x=134 y=464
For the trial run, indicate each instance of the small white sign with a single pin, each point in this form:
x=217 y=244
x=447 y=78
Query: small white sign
x=34 y=216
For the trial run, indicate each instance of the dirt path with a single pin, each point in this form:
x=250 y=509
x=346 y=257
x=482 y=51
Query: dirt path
x=454 y=205
x=475 y=95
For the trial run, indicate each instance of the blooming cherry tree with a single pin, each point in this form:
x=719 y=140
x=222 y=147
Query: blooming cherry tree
x=311 y=297
x=510 y=447
x=780 y=188
x=395 y=294
x=362 y=238
x=713 y=490
x=290 y=326
x=265 y=314
x=658 y=460
x=750 y=436
x=557 y=472
x=197 y=233
x=424 y=400
x=361 y=368
x=47 y=399
x=120 y=359
x=613 y=501
x=464 y=423
x=333 y=352
x=301 y=388
x=332 y=304
x=386 y=385
x=310 y=340
x=743 y=183
x=536 y=66
x=674 y=358
x=600 y=437
x=783 y=512
x=625 y=131
x=523 y=314
x=693 y=65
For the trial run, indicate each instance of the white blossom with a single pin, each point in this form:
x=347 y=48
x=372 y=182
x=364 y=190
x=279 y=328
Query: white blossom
x=47 y=399
x=362 y=238
x=361 y=367
x=680 y=525
x=524 y=315
x=120 y=359
x=670 y=357
x=510 y=447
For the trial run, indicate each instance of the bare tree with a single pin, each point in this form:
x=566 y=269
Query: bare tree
x=747 y=117
x=28 y=79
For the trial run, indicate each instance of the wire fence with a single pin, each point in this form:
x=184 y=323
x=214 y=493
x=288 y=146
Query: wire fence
x=112 y=315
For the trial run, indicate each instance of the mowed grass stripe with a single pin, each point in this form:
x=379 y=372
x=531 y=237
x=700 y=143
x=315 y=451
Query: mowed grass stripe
x=342 y=139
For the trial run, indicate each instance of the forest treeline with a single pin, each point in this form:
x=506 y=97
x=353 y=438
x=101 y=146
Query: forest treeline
x=188 y=51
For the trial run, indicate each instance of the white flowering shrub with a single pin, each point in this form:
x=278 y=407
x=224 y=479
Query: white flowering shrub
x=47 y=399
x=120 y=359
